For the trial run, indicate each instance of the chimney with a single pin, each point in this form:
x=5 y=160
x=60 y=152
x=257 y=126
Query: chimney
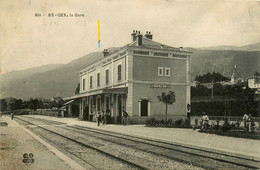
x=149 y=35
x=139 y=39
x=105 y=53
x=133 y=35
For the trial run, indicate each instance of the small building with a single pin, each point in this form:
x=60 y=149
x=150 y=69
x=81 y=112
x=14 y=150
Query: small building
x=132 y=77
x=254 y=83
x=70 y=109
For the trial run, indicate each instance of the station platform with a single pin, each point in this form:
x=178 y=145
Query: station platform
x=247 y=147
x=16 y=142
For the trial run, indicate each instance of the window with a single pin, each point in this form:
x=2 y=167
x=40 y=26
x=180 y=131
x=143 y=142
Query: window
x=83 y=84
x=90 y=82
x=167 y=72
x=107 y=76
x=98 y=79
x=119 y=72
x=160 y=71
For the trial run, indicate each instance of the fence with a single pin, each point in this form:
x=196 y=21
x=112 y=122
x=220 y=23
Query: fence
x=229 y=107
x=46 y=112
x=16 y=112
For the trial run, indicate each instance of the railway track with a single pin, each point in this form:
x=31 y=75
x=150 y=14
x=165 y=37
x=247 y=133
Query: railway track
x=196 y=156
x=42 y=121
x=128 y=164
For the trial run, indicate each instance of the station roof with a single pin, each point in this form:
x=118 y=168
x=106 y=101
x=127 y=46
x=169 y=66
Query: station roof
x=71 y=101
x=148 y=43
x=97 y=92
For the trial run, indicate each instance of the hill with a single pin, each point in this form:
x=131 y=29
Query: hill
x=62 y=80
x=9 y=76
x=250 y=47
x=222 y=61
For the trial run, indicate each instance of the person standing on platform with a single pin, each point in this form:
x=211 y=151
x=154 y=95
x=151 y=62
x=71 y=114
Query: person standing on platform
x=125 y=115
x=250 y=123
x=98 y=118
x=196 y=120
x=245 y=120
x=107 y=115
x=205 y=121
x=103 y=117
x=12 y=116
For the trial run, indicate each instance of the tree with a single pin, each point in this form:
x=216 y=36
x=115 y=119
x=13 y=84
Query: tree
x=2 y=105
x=167 y=99
x=18 y=104
x=60 y=103
x=200 y=90
x=33 y=104
x=246 y=100
x=207 y=78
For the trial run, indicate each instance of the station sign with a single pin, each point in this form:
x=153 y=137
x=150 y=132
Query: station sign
x=160 y=86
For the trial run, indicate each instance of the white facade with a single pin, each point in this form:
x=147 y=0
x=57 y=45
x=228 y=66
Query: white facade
x=254 y=83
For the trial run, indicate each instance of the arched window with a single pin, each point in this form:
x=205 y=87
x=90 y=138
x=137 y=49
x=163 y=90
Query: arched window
x=98 y=79
x=83 y=84
x=90 y=82
x=107 y=76
x=119 y=69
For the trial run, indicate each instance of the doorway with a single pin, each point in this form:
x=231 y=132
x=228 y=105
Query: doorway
x=86 y=112
x=144 y=107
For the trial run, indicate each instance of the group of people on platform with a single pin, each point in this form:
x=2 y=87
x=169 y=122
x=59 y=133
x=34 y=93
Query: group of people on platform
x=247 y=119
x=248 y=123
x=105 y=117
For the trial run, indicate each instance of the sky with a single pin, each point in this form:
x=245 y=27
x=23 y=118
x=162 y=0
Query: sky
x=29 y=41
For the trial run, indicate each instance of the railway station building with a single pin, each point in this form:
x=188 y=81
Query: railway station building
x=132 y=77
